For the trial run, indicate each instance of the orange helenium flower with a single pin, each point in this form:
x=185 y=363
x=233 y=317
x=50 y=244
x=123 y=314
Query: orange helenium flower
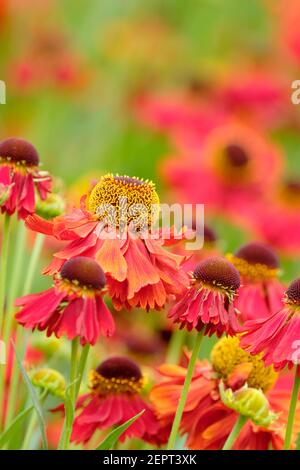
x=206 y=421
x=140 y=272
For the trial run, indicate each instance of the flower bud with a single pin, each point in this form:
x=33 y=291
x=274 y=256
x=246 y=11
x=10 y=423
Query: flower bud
x=50 y=380
x=249 y=402
x=51 y=207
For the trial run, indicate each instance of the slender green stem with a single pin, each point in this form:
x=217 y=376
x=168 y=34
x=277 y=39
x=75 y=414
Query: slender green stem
x=38 y=244
x=240 y=422
x=3 y=265
x=30 y=429
x=3 y=276
x=292 y=410
x=175 y=347
x=185 y=390
x=15 y=279
x=81 y=367
x=21 y=337
x=69 y=412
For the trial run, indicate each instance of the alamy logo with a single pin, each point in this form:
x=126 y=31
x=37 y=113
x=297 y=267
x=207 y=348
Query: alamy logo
x=2 y=92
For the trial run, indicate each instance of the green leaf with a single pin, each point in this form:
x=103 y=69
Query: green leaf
x=113 y=436
x=6 y=435
x=34 y=398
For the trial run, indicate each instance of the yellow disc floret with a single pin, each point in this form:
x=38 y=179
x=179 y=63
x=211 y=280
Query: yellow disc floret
x=114 y=385
x=253 y=272
x=227 y=356
x=122 y=199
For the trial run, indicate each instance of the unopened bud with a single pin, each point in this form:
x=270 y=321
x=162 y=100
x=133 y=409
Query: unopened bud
x=50 y=380
x=249 y=402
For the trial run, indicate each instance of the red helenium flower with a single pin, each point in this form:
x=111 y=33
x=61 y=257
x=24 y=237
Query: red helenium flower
x=209 y=302
x=73 y=306
x=115 y=398
x=235 y=165
x=19 y=172
x=261 y=293
x=277 y=336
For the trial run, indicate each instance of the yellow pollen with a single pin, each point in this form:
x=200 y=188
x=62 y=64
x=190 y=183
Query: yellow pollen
x=123 y=199
x=227 y=355
x=74 y=287
x=103 y=386
x=253 y=272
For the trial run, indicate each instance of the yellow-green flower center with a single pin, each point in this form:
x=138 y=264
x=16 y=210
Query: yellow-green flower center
x=227 y=356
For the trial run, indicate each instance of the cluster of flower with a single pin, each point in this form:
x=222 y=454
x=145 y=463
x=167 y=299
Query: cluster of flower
x=238 y=296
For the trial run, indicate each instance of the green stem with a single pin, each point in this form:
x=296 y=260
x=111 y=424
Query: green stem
x=3 y=266
x=175 y=347
x=69 y=413
x=3 y=275
x=21 y=338
x=292 y=410
x=15 y=280
x=81 y=367
x=185 y=390
x=38 y=244
x=240 y=422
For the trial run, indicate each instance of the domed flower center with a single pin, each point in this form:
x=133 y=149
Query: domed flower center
x=256 y=262
x=209 y=235
x=290 y=193
x=235 y=366
x=292 y=295
x=116 y=375
x=122 y=199
x=218 y=273
x=83 y=272
x=19 y=152
x=236 y=156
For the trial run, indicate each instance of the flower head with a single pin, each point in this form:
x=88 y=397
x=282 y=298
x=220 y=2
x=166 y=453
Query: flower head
x=115 y=397
x=261 y=292
x=73 y=306
x=276 y=219
x=235 y=164
x=277 y=336
x=209 y=302
x=236 y=367
x=139 y=271
x=114 y=191
x=19 y=161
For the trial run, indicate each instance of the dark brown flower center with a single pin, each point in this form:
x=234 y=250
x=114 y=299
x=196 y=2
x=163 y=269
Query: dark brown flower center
x=258 y=253
x=218 y=271
x=236 y=156
x=293 y=292
x=119 y=367
x=19 y=151
x=85 y=271
x=209 y=234
x=293 y=186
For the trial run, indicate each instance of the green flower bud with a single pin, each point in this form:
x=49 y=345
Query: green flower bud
x=50 y=380
x=51 y=207
x=249 y=402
